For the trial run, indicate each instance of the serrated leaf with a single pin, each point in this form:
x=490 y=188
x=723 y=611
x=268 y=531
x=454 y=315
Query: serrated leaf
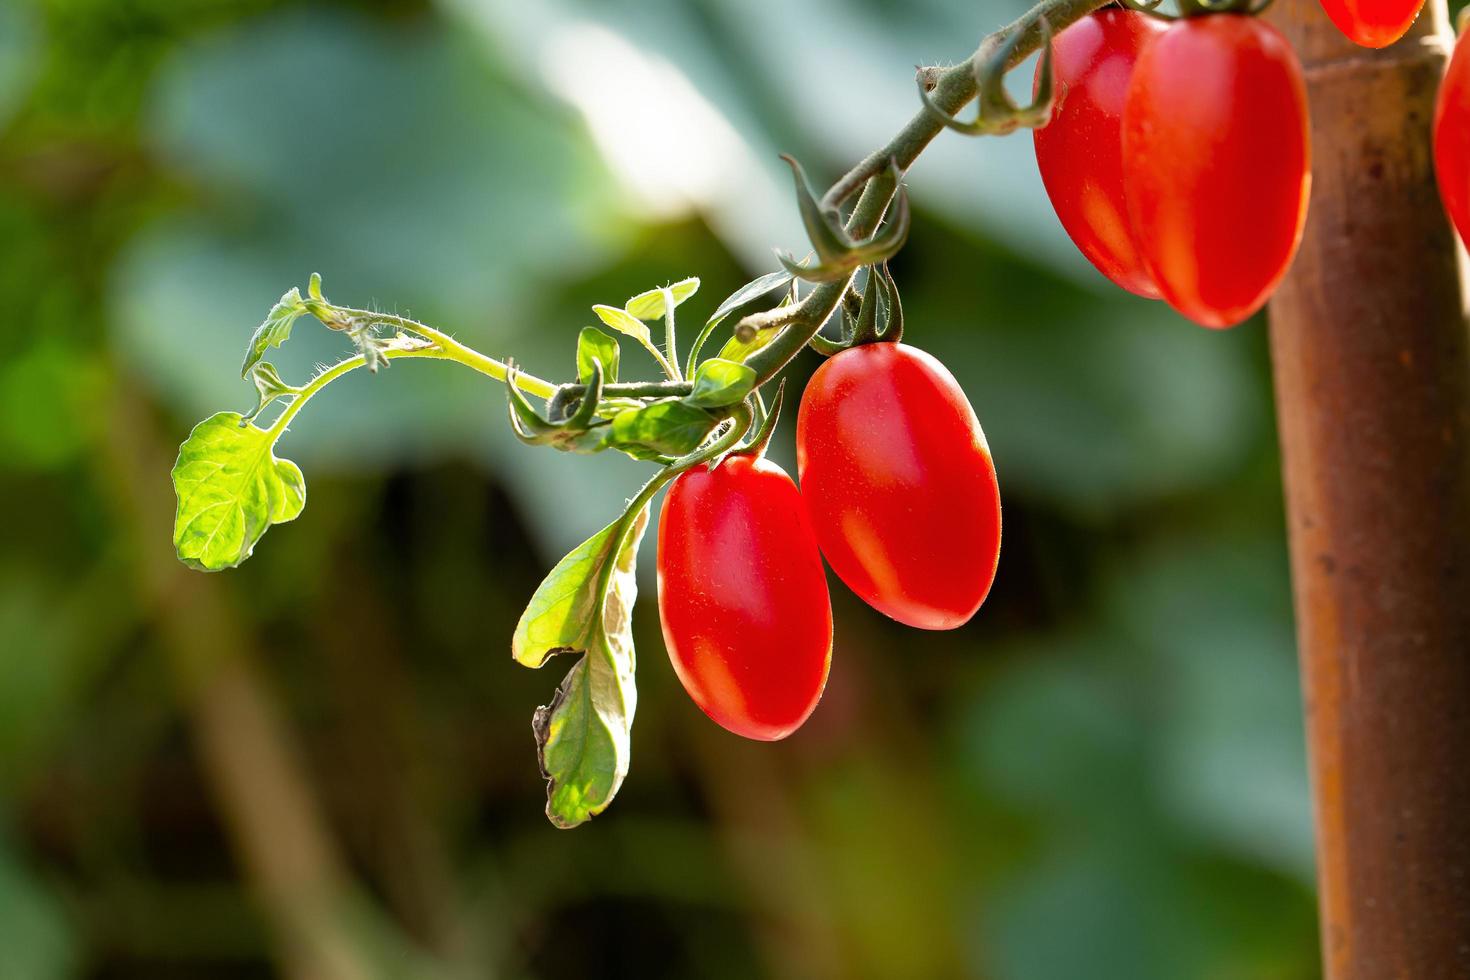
x=751 y=290
x=719 y=382
x=230 y=488
x=624 y=322
x=650 y=305
x=583 y=736
x=274 y=329
x=594 y=345
x=670 y=427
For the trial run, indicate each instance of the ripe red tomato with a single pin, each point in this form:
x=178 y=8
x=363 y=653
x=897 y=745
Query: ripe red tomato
x=1080 y=152
x=1217 y=163
x=1452 y=139
x=1373 y=23
x=898 y=480
x=742 y=596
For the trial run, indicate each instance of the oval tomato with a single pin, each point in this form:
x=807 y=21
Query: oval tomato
x=1080 y=151
x=1217 y=163
x=899 y=483
x=1373 y=23
x=742 y=597
x=1452 y=140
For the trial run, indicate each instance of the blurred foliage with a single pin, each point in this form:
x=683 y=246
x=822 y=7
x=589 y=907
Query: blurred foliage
x=324 y=756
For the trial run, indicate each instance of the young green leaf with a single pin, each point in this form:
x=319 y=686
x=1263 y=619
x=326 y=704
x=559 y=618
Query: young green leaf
x=651 y=306
x=754 y=289
x=594 y=345
x=269 y=386
x=718 y=383
x=624 y=322
x=583 y=736
x=738 y=350
x=274 y=329
x=231 y=488
x=671 y=428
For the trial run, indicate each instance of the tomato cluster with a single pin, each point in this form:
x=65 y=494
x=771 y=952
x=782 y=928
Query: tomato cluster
x=1178 y=157
x=898 y=492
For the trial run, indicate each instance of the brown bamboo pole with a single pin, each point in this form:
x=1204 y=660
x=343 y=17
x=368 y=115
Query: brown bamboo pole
x=1372 y=376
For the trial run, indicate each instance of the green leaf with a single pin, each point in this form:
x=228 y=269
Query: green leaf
x=751 y=290
x=719 y=382
x=274 y=329
x=594 y=345
x=670 y=427
x=269 y=385
x=230 y=488
x=583 y=736
x=562 y=615
x=650 y=305
x=624 y=322
x=739 y=350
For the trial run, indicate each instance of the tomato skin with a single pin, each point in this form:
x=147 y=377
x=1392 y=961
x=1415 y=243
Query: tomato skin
x=1217 y=163
x=1080 y=152
x=742 y=597
x=899 y=482
x=1452 y=139
x=1373 y=23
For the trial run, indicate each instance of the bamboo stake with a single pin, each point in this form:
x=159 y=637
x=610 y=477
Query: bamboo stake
x=1372 y=375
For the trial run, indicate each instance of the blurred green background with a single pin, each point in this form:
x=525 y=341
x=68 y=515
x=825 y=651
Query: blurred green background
x=320 y=765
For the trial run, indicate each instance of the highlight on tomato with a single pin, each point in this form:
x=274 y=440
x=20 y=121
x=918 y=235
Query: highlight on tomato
x=898 y=479
x=1217 y=163
x=1373 y=23
x=742 y=597
x=1452 y=139
x=1080 y=151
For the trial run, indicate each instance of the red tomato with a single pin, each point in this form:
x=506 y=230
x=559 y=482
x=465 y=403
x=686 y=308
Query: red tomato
x=1080 y=152
x=742 y=596
x=1452 y=139
x=1217 y=163
x=898 y=480
x=1373 y=23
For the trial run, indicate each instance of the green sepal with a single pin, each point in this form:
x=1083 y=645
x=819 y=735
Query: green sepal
x=718 y=382
x=230 y=489
x=882 y=245
x=595 y=346
x=996 y=112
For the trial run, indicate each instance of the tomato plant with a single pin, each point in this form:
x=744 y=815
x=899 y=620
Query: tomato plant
x=1452 y=139
x=742 y=596
x=1176 y=158
x=1216 y=163
x=898 y=479
x=1373 y=23
x=1080 y=152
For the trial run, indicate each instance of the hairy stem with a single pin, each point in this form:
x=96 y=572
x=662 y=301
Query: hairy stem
x=954 y=88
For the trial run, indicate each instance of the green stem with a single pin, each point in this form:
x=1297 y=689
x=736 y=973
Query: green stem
x=455 y=351
x=954 y=89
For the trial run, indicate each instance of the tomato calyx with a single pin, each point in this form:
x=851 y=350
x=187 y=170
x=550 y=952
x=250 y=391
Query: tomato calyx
x=1197 y=8
x=874 y=317
x=997 y=113
x=838 y=254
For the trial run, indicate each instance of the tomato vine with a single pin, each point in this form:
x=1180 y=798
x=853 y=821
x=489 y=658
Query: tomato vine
x=232 y=488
